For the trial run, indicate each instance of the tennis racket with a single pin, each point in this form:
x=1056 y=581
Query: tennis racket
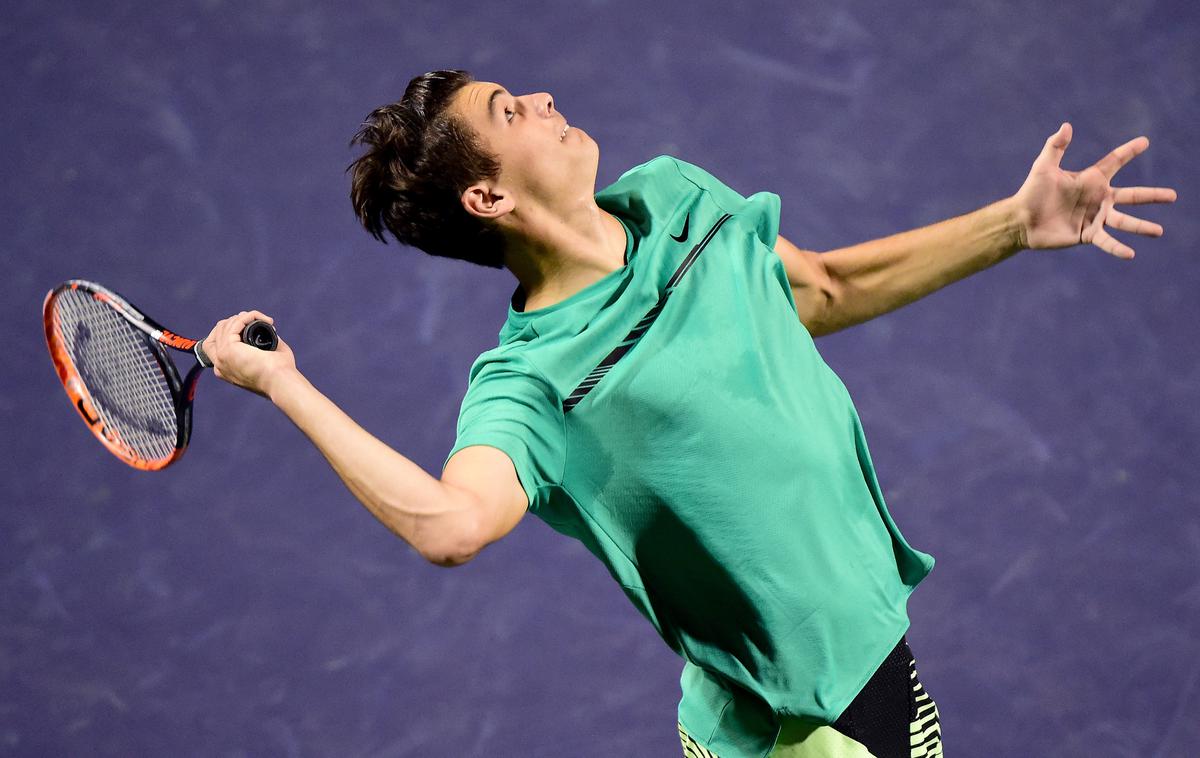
x=110 y=359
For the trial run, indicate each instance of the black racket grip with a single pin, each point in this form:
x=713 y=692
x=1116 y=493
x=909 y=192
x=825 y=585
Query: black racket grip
x=260 y=334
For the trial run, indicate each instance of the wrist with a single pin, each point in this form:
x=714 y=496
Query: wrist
x=283 y=384
x=1017 y=216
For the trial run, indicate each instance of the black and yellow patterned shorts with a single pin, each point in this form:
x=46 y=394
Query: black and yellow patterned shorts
x=892 y=717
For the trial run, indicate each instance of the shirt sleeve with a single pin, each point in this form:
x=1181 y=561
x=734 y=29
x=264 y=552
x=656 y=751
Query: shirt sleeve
x=509 y=406
x=759 y=211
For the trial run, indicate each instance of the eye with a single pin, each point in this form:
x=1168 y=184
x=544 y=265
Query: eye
x=508 y=115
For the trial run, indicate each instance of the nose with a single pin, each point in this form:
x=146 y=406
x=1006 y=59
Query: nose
x=545 y=104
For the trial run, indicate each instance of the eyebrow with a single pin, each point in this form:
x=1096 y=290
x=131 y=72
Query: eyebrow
x=491 y=99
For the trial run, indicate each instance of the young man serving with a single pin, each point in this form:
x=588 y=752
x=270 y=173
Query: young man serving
x=657 y=395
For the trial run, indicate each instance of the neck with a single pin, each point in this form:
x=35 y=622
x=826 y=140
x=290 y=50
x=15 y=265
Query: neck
x=566 y=255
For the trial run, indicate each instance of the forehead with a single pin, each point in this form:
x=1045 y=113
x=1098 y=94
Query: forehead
x=472 y=99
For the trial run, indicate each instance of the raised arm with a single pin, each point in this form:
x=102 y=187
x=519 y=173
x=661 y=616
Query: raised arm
x=448 y=521
x=850 y=285
x=1054 y=208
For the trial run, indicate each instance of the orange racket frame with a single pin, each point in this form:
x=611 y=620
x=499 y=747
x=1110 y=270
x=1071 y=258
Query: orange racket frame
x=259 y=333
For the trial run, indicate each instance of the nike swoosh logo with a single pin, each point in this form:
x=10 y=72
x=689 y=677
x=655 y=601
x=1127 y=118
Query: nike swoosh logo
x=683 y=235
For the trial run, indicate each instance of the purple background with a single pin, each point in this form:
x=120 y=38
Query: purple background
x=1035 y=427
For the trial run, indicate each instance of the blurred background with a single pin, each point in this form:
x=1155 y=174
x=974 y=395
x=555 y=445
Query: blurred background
x=1035 y=427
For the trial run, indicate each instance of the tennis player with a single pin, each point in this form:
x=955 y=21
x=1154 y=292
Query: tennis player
x=657 y=395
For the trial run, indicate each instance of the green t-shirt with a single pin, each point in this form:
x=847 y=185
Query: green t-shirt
x=676 y=417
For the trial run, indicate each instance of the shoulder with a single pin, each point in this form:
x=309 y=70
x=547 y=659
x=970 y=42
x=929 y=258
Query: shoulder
x=694 y=174
x=675 y=175
x=649 y=189
x=666 y=168
x=506 y=372
x=504 y=359
x=656 y=172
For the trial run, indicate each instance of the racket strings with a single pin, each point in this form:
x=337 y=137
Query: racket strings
x=114 y=359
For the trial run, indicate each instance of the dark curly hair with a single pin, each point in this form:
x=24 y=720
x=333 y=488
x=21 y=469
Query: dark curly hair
x=419 y=159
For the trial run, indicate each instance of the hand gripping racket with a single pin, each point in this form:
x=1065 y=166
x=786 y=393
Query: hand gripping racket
x=110 y=358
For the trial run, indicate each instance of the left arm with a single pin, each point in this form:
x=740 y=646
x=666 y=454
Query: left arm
x=1053 y=209
x=873 y=278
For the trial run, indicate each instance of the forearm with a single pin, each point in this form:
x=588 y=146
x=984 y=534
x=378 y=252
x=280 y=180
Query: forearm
x=879 y=276
x=433 y=517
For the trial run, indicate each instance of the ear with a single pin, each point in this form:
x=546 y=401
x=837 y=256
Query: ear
x=487 y=201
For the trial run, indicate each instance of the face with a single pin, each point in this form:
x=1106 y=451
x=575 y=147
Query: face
x=540 y=163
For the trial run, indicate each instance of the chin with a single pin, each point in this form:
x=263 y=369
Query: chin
x=590 y=146
x=592 y=161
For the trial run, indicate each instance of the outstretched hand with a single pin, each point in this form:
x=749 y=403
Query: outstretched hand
x=1063 y=208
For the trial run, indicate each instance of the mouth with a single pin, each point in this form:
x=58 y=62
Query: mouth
x=564 y=132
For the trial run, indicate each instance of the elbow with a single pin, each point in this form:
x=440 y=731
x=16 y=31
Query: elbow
x=455 y=545
x=450 y=559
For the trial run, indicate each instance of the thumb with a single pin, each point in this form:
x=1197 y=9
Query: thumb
x=1056 y=145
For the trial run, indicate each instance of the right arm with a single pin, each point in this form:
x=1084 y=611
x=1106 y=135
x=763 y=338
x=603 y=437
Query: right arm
x=448 y=521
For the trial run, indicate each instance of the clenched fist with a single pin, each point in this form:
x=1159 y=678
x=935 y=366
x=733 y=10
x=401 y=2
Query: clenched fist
x=243 y=365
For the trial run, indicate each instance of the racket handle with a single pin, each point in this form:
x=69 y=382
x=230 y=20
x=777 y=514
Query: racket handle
x=258 y=333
